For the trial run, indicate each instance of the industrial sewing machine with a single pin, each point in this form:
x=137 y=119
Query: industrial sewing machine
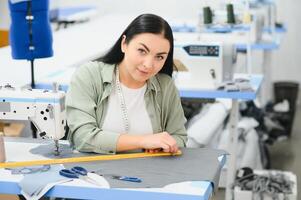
x=45 y=109
x=209 y=63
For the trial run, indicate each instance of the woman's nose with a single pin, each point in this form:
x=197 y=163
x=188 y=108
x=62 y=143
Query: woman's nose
x=148 y=62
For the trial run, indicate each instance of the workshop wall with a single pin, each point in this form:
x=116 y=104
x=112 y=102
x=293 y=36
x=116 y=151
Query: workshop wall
x=287 y=60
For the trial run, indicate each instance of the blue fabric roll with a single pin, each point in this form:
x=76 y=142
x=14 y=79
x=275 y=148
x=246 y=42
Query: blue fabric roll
x=40 y=28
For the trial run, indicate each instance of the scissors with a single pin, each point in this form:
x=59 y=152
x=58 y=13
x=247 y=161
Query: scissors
x=78 y=172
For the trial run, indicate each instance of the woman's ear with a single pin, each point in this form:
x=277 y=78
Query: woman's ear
x=123 y=43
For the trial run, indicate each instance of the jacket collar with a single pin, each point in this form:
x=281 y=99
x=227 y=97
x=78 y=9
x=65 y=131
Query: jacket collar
x=107 y=73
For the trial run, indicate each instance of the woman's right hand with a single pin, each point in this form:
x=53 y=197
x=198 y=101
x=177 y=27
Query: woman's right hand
x=151 y=143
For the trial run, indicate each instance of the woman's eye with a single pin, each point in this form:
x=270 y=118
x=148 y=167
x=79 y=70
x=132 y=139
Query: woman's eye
x=160 y=57
x=142 y=51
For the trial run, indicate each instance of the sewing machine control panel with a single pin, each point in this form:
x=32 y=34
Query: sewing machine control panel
x=202 y=50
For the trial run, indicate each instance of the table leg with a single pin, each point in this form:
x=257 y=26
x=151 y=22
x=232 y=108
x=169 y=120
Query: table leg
x=232 y=145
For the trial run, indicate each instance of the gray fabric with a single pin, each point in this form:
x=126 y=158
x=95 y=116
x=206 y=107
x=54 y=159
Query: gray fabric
x=199 y=164
x=47 y=150
x=194 y=165
x=47 y=147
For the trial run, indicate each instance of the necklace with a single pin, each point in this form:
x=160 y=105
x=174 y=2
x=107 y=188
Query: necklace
x=124 y=113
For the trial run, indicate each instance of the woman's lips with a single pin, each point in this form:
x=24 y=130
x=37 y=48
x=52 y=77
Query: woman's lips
x=142 y=72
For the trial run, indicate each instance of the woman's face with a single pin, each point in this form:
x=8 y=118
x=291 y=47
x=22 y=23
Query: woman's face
x=144 y=57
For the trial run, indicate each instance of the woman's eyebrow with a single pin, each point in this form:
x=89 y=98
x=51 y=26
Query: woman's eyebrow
x=147 y=49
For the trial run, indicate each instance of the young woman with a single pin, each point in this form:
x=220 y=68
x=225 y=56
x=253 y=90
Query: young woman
x=127 y=100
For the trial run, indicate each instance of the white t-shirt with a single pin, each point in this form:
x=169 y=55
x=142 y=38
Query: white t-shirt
x=139 y=120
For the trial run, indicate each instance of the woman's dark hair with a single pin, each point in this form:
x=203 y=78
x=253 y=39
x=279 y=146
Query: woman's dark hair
x=145 y=23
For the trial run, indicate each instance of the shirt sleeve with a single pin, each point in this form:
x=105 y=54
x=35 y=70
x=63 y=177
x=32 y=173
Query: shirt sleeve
x=174 y=119
x=81 y=103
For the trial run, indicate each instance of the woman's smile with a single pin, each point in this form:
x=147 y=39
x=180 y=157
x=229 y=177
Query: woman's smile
x=142 y=72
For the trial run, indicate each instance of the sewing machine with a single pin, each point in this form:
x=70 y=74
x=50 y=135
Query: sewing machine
x=208 y=63
x=45 y=109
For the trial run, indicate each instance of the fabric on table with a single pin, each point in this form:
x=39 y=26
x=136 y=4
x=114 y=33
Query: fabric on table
x=46 y=150
x=198 y=164
x=195 y=164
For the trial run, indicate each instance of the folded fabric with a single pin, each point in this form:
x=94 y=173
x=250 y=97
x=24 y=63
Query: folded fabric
x=32 y=184
x=40 y=193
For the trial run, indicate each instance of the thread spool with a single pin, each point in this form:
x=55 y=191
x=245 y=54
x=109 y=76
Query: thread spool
x=247 y=18
x=2 y=150
x=207 y=14
x=230 y=14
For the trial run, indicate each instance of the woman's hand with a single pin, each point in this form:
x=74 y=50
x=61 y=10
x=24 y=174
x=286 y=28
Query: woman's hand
x=161 y=141
x=152 y=143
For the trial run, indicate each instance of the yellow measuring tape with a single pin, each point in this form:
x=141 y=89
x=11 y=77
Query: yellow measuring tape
x=84 y=159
